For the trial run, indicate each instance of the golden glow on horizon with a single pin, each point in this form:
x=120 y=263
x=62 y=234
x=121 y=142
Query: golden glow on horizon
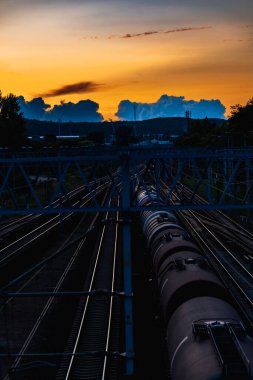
x=44 y=49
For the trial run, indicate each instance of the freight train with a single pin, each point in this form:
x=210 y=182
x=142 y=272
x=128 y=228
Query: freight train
x=205 y=335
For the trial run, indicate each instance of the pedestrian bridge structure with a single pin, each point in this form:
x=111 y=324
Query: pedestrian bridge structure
x=42 y=182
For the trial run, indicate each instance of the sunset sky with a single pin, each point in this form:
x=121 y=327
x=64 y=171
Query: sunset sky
x=111 y=50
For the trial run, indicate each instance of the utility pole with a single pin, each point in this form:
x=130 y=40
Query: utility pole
x=135 y=108
x=59 y=127
x=188 y=115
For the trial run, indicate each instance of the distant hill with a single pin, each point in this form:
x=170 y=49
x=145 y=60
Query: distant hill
x=166 y=126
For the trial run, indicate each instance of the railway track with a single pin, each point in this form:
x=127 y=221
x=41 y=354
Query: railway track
x=46 y=308
x=25 y=363
x=234 y=274
x=24 y=246
x=219 y=215
x=212 y=235
x=93 y=344
x=16 y=228
x=238 y=239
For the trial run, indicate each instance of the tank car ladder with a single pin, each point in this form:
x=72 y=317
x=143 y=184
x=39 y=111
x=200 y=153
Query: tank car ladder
x=225 y=339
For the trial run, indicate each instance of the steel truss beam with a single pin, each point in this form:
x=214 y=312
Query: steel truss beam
x=45 y=184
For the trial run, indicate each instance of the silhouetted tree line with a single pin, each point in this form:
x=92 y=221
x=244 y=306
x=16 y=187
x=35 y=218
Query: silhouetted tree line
x=166 y=125
x=237 y=131
x=240 y=124
x=201 y=132
x=12 y=123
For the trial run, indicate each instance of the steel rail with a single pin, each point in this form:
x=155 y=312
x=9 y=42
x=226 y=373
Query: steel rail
x=238 y=237
x=111 y=299
x=20 y=221
x=232 y=221
x=248 y=299
x=27 y=219
x=47 y=305
x=217 y=240
x=85 y=308
x=221 y=268
x=98 y=254
x=44 y=311
x=223 y=246
x=7 y=255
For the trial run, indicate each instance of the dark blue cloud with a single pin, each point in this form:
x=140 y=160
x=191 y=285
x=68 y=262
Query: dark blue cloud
x=84 y=110
x=170 y=106
x=35 y=109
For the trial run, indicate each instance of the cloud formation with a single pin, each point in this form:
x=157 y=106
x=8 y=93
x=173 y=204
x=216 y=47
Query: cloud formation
x=128 y=35
x=170 y=106
x=35 y=109
x=75 y=88
x=87 y=110
x=187 y=29
x=84 y=110
x=152 y=32
x=230 y=40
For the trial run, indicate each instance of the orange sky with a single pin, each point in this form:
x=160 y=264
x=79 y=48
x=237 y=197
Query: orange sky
x=136 y=50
